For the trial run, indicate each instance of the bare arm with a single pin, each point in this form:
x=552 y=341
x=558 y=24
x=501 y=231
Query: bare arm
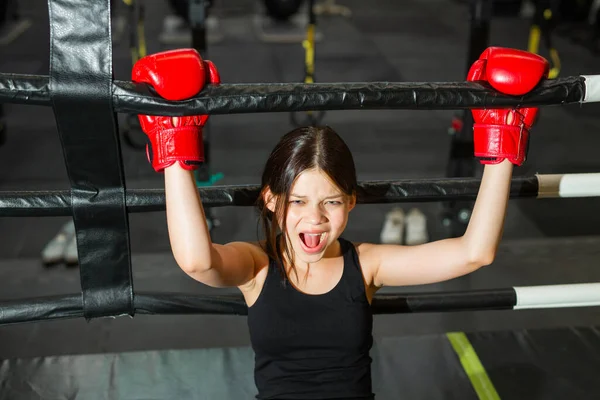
x=215 y=265
x=449 y=258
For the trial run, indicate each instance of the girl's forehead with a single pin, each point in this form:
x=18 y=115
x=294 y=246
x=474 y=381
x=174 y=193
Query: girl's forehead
x=312 y=182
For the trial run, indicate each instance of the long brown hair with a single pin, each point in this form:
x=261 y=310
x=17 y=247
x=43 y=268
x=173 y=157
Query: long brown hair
x=300 y=150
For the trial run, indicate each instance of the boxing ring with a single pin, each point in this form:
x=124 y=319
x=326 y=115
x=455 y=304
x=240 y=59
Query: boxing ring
x=80 y=89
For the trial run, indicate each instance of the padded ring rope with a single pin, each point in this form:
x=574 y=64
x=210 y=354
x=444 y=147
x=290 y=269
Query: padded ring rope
x=58 y=203
x=128 y=97
x=97 y=183
x=515 y=298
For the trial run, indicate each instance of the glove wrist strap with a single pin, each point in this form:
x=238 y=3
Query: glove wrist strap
x=183 y=144
x=494 y=143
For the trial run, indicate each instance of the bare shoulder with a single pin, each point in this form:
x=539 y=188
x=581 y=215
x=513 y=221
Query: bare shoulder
x=259 y=249
x=368 y=258
x=366 y=250
x=255 y=248
x=261 y=262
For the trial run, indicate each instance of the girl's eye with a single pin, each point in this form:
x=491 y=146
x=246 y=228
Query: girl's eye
x=296 y=202
x=335 y=203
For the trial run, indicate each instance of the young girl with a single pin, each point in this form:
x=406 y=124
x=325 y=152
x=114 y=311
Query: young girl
x=309 y=290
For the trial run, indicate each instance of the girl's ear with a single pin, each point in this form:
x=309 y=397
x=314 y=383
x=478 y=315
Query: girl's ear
x=352 y=201
x=269 y=199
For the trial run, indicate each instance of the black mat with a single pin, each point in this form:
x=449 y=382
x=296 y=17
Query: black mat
x=399 y=365
x=542 y=364
x=533 y=364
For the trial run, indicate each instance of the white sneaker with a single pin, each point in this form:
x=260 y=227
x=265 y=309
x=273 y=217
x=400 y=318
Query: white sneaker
x=70 y=253
x=393 y=227
x=416 y=227
x=53 y=252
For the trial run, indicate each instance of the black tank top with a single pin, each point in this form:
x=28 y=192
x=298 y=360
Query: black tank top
x=313 y=346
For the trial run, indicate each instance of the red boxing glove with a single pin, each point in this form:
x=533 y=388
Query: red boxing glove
x=175 y=75
x=501 y=134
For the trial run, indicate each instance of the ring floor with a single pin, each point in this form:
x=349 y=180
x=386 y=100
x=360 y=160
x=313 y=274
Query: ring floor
x=545 y=241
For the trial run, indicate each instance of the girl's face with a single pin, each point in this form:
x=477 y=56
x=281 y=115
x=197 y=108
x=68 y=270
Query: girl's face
x=317 y=215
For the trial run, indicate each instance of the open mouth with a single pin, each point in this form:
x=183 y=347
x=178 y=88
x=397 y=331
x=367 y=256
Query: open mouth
x=313 y=242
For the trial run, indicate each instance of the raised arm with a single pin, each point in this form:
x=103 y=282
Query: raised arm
x=501 y=140
x=232 y=264
x=176 y=149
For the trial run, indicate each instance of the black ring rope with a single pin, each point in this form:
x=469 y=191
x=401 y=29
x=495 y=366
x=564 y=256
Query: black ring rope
x=58 y=203
x=128 y=97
